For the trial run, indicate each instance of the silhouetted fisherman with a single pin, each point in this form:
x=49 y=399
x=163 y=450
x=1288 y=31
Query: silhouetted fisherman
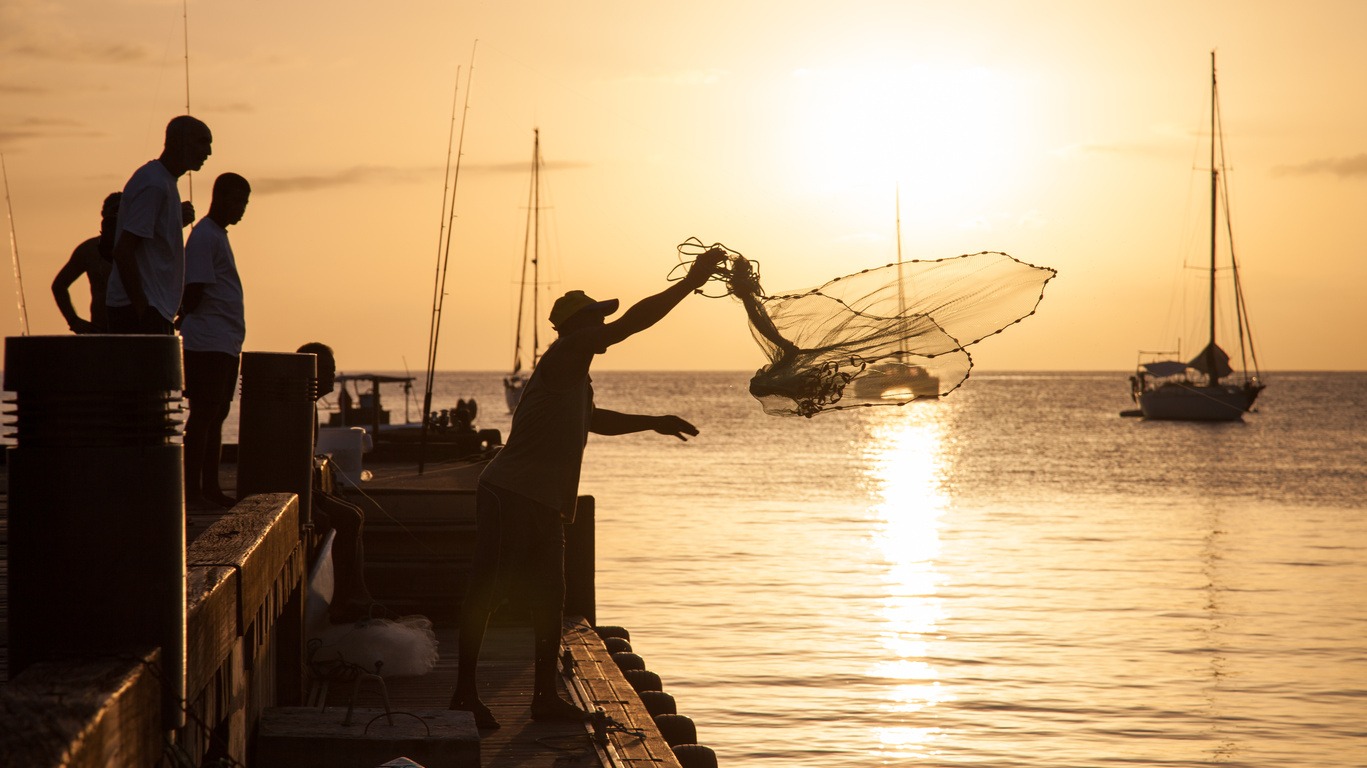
x=148 y=278
x=213 y=325
x=351 y=599
x=93 y=258
x=530 y=488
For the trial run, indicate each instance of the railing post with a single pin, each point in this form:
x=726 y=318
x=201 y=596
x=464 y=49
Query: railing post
x=275 y=455
x=97 y=503
x=275 y=429
x=580 y=566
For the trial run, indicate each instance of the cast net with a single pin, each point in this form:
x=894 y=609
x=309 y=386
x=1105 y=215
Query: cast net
x=884 y=336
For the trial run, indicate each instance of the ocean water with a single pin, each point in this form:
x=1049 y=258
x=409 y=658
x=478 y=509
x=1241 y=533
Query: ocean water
x=1012 y=576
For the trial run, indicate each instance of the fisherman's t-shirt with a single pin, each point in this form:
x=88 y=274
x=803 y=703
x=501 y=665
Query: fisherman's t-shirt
x=218 y=323
x=545 y=448
x=150 y=209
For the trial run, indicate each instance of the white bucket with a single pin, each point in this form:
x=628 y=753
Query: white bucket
x=345 y=445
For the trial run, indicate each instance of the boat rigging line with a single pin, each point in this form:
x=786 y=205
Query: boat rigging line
x=14 y=253
x=450 y=182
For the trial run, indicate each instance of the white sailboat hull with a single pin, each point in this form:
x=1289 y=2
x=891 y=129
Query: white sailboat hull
x=1188 y=402
x=896 y=381
x=512 y=390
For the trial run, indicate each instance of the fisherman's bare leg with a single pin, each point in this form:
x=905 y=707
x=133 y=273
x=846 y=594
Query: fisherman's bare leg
x=476 y=606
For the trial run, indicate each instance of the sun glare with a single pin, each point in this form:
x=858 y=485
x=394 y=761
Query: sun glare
x=948 y=137
x=906 y=471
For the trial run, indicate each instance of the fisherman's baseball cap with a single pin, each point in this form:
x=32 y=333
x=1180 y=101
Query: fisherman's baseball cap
x=574 y=302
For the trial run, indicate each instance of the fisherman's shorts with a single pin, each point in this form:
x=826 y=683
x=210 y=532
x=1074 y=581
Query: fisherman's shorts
x=521 y=543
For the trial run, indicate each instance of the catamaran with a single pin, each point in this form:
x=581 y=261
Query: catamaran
x=897 y=378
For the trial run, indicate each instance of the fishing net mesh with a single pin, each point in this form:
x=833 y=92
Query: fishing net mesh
x=884 y=336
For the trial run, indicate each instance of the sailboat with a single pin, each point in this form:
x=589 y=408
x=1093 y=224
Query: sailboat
x=528 y=317
x=1204 y=388
x=895 y=378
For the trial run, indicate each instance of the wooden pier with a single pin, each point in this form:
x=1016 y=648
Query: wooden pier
x=246 y=676
x=135 y=634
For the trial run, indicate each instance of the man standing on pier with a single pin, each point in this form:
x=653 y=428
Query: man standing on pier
x=213 y=325
x=531 y=486
x=145 y=285
x=93 y=259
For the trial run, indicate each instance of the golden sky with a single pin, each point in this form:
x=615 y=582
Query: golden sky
x=1068 y=134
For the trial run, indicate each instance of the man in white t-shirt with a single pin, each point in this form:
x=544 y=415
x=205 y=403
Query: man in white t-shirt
x=212 y=326
x=148 y=277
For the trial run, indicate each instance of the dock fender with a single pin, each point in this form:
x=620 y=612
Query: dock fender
x=643 y=680
x=695 y=756
x=658 y=703
x=677 y=729
x=628 y=660
x=610 y=631
x=616 y=644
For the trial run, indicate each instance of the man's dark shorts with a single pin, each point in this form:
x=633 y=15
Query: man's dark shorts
x=210 y=376
x=521 y=542
x=126 y=320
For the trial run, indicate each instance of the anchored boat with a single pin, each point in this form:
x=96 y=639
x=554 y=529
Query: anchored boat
x=528 y=318
x=1205 y=388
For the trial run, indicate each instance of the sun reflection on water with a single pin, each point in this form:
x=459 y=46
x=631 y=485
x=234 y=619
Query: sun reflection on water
x=907 y=464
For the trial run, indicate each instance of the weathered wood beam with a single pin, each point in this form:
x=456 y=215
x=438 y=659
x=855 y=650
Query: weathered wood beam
x=85 y=714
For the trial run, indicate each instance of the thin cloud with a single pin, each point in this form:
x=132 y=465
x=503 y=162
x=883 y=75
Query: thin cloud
x=350 y=177
x=1354 y=167
x=44 y=128
x=23 y=89
x=521 y=167
x=107 y=53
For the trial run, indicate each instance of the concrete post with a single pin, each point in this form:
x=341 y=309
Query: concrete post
x=97 y=502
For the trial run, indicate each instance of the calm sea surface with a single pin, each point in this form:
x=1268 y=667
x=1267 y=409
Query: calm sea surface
x=1013 y=576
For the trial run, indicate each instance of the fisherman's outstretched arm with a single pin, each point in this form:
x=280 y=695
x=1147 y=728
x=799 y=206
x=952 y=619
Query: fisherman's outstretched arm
x=605 y=422
x=652 y=309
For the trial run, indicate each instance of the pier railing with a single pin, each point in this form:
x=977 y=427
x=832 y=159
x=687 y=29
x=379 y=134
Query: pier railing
x=123 y=643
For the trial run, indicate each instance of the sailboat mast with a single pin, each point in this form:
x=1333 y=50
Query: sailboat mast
x=522 y=276
x=536 y=244
x=185 y=29
x=901 y=288
x=1214 y=207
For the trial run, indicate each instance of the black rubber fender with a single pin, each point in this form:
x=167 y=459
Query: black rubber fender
x=695 y=756
x=643 y=680
x=617 y=644
x=611 y=631
x=627 y=660
x=658 y=703
x=677 y=729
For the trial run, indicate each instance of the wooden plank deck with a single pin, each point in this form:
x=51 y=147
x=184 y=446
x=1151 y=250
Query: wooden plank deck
x=506 y=686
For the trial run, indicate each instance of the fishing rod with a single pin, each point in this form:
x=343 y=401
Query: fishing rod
x=14 y=253
x=438 y=278
x=185 y=25
x=447 y=225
